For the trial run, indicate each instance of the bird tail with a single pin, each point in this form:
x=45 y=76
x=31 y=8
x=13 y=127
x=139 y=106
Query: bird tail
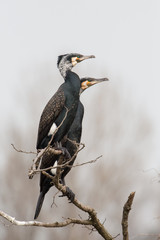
x=39 y=204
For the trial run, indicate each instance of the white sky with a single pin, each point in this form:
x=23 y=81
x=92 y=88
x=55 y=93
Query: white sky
x=123 y=35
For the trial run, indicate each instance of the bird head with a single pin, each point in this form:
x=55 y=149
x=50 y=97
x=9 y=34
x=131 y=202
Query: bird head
x=88 y=82
x=68 y=61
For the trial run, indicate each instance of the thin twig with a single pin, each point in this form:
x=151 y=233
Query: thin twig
x=54 y=197
x=36 y=161
x=22 y=151
x=91 y=161
x=67 y=165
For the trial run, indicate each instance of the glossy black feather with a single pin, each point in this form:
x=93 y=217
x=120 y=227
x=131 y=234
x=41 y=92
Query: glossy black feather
x=66 y=98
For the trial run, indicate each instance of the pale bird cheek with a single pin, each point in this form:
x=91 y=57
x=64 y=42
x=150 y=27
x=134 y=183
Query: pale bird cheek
x=84 y=85
x=74 y=61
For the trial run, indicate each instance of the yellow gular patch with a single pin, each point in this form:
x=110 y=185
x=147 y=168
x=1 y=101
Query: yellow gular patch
x=74 y=61
x=84 y=85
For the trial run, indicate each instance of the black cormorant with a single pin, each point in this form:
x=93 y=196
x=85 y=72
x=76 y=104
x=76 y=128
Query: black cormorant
x=61 y=109
x=70 y=142
x=65 y=99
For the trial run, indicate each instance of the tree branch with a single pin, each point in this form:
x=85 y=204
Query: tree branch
x=22 y=151
x=43 y=224
x=67 y=165
x=126 y=210
x=36 y=161
x=94 y=221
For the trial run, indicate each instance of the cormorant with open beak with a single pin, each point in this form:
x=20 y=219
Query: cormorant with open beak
x=70 y=142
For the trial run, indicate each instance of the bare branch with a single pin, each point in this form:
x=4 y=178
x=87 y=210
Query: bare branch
x=22 y=151
x=67 y=165
x=53 y=203
x=36 y=161
x=95 y=222
x=126 y=210
x=91 y=161
x=43 y=224
x=92 y=221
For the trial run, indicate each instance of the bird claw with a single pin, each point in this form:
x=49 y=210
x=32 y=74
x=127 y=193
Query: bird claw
x=69 y=194
x=64 y=151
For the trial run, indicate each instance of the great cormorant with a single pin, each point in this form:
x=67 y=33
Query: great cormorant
x=65 y=99
x=61 y=109
x=70 y=142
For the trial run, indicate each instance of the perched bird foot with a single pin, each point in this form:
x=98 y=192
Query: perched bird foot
x=69 y=194
x=65 y=153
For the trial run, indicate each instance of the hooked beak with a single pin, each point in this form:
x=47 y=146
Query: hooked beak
x=88 y=82
x=84 y=58
x=96 y=80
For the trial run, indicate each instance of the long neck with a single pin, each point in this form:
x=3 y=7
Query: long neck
x=64 y=68
x=72 y=79
x=72 y=83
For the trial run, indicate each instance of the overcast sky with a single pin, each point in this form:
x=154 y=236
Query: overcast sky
x=123 y=35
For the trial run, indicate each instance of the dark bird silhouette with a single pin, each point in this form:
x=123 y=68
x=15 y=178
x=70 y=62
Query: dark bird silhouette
x=61 y=109
x=65 y=99
x=70 y=142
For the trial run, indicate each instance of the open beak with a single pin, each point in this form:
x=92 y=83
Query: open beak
x=84 y=58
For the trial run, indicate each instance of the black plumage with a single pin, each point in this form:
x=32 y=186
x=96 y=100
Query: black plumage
x=61 y=109
x=65 y=99
x=70 y=142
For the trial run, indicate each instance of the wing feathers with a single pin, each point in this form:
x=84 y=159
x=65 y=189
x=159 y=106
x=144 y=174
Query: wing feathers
x=49 y=115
